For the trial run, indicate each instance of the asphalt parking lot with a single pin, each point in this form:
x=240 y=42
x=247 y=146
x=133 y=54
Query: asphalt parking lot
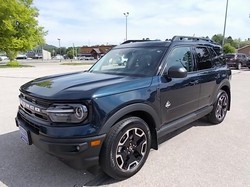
x=198 y=155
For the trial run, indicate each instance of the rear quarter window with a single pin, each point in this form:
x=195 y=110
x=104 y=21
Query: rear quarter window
x=203 y=60
x=217 y=60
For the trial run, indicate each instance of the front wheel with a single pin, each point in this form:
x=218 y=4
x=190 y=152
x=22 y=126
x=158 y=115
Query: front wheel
x=126 y=148
x=220 y=108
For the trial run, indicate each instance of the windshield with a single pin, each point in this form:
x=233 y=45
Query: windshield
x=130 y=61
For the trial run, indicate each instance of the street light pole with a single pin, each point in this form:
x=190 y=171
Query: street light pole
x=225 y=23
x=59 y=48
x=73 y=51
x=59 y=45
x=126 y=15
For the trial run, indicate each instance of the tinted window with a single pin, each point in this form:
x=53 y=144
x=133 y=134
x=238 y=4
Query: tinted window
x=216 y=60
x=203 y=60
x=180 y=56
x=244 y=56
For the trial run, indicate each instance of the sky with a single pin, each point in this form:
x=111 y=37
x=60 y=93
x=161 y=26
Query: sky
x=96 y=22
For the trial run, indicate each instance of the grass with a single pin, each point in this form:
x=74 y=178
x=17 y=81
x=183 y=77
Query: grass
x=14 y=64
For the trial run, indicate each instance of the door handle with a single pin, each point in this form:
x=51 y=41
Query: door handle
x=191 y=83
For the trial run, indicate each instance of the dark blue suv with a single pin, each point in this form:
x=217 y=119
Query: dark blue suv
x=113 y=114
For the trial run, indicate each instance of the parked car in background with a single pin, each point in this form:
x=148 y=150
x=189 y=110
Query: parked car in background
x=236 y=60
x=21 y=56
x=58 y=57
x=3 y=58
x=86 y=58
x=248 y=62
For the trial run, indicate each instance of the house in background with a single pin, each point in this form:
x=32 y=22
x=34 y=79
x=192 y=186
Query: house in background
x=93 y=52
x=245 y=50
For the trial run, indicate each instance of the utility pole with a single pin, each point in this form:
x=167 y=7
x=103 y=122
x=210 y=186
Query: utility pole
x=225 y=23
x=126 y=15
x=73 y=51
x=59 y=48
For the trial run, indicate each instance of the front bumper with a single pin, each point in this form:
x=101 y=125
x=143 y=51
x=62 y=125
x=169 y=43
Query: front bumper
x=79 y=153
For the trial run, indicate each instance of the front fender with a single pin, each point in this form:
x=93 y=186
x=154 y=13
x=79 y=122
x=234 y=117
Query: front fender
x=127 y=110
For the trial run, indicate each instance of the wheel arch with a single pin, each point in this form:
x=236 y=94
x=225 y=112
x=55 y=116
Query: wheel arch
x=227 y=90
x=143 y=111
x=225 y=86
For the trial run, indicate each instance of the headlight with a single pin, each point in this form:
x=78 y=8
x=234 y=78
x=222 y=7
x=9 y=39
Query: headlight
x=69 y=113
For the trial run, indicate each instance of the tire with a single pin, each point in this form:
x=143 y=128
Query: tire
x=125 y=148
x=239 y=66
x=220 y=108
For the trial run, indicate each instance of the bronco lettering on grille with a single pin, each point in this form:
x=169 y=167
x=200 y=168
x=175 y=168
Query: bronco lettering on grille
x=29 y=106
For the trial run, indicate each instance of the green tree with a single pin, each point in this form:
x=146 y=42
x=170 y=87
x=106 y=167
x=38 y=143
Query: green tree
x=237 y=42
x=61 y=50
x=231 y=41
x=19 y=29
x=70 y=52
x=228 y=48
x=218 y=38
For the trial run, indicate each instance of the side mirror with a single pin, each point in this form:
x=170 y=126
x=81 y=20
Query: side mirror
x=176 y=72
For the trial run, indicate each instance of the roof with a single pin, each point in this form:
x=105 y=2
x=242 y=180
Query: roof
x=246 y=46
x=102 y=49
x=86 y=49
x=97 y=50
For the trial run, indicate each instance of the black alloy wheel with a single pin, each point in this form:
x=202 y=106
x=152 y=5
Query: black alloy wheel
x=131 y=149
x=222 y=106
x=220 y=109
x=126 y=148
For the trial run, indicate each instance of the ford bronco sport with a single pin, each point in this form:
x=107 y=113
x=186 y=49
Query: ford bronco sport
x=114 y=113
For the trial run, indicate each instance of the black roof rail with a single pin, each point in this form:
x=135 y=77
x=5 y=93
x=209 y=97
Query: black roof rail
x=192 y=38
x=132 y=41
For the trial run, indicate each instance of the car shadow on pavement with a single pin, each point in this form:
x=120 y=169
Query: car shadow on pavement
x=23 y=165
x=200 y=122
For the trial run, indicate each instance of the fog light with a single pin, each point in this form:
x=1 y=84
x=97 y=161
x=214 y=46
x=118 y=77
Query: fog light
x=78 y=148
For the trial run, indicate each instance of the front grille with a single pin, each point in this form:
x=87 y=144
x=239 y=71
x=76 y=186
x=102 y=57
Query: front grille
x=34 y=107
x=39 y=102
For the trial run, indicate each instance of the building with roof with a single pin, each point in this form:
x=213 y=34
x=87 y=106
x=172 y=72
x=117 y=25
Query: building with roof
x=245 y=50
x=94 y=51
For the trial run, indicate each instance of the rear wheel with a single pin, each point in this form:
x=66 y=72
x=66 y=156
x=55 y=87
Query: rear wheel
x=220 y=108
x=126 y=148
x=239 y=66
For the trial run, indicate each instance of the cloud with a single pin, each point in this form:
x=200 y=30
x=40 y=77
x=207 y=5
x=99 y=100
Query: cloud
x=91 y=22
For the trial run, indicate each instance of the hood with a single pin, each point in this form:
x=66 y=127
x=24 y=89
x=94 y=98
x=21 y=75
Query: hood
x=82 y=85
